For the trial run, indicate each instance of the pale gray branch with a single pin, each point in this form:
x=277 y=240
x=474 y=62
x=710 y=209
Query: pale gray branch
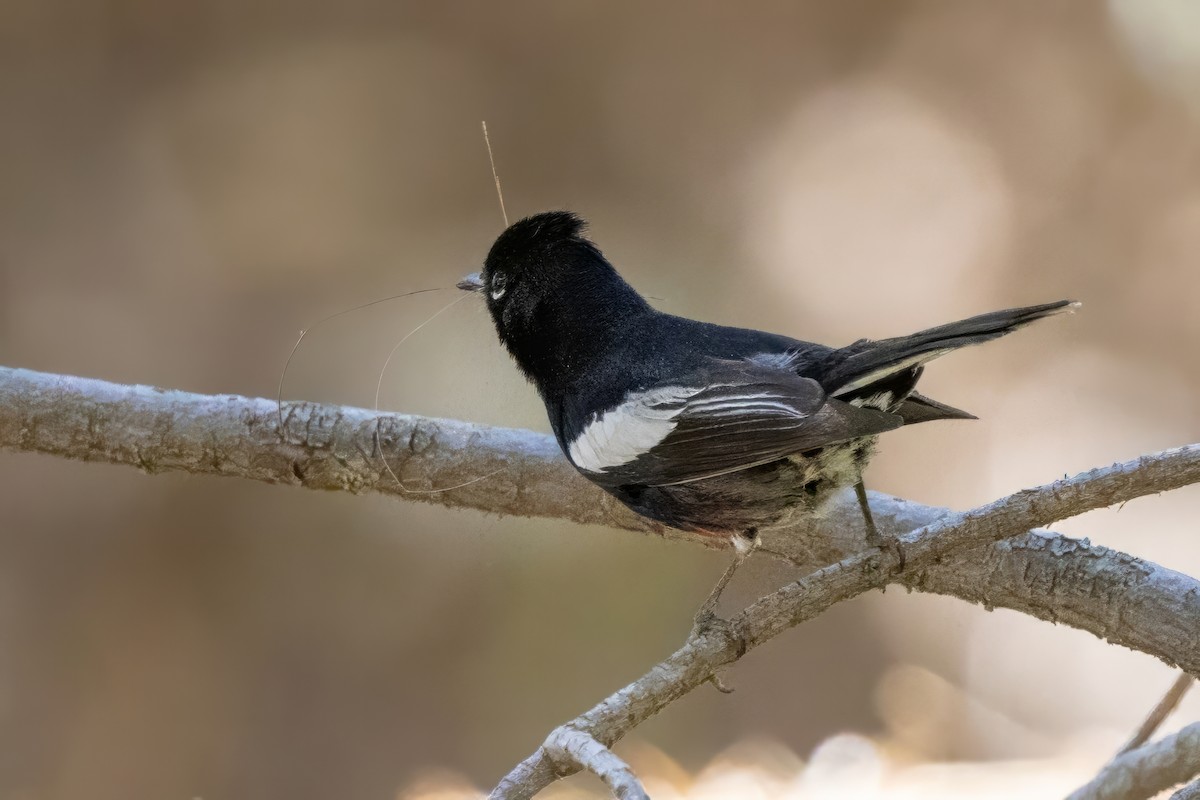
x=1115 y=596
x=574 y=750
x=1153 y=721
x=1189 y=792
x=712 y=647
x=318 y=446
x=1148 y=770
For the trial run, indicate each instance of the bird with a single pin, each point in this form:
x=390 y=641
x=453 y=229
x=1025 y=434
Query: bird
x=721 y=431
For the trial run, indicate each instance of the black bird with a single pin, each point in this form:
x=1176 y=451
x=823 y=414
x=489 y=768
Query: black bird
x=718 y=430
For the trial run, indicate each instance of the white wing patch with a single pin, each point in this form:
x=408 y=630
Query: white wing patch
x=645 y=419
x=731 y=406
x=880 y=401
x=621 y=435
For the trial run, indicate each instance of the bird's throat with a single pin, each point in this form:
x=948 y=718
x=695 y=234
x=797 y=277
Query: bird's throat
x=564 y=343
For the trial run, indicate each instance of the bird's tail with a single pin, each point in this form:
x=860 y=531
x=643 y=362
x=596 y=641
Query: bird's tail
x=867 y=363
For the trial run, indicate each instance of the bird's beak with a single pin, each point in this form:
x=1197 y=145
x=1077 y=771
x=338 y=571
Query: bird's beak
x=471 y=283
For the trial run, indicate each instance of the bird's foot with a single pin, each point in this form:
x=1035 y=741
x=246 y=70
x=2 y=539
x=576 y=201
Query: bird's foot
x=743 y=544
x=891 y=544
x=874 y=538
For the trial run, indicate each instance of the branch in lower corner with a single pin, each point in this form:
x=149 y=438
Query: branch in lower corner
x=1148 y=770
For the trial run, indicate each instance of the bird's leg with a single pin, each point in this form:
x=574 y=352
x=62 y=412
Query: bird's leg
x=743 y=546
x=873 y=537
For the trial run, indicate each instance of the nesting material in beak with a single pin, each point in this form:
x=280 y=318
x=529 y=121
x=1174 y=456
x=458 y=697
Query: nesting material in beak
x=471 y=283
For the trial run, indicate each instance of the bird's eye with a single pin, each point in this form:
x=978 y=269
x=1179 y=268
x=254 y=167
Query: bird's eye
x=498 y=281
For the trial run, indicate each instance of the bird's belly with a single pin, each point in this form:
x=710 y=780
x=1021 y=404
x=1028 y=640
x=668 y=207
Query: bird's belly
x=760 y=498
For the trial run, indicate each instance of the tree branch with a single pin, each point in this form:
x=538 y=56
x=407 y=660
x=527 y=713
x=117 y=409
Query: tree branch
x=1148 y=770
x=317 y=447
x=1115 y=596
x=1189 y=792
x=1117 y=778
x=573 y=750
x=1158 y=715
x=710 y=648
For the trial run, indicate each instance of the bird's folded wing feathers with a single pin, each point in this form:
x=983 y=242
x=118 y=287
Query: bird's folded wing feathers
x=733 y=417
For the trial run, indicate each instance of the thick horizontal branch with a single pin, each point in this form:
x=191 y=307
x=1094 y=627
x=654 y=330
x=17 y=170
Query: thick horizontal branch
x=317 y=446
x=339 y=448
x=1113 y=595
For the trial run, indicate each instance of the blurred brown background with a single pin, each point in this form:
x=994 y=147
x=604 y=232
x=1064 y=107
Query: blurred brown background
x=183 y=186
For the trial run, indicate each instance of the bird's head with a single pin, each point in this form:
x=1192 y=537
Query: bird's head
x=551 y=293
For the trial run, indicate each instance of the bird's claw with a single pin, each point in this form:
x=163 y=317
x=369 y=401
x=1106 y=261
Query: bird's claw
x=889 y=544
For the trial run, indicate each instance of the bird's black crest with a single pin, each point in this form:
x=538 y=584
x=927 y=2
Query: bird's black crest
x=542 y=231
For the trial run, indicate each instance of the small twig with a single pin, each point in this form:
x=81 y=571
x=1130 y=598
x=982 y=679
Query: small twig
x=719 y=684
x=1155 y=718
x=1150 y=769
x=572 y=750
x=584 y=752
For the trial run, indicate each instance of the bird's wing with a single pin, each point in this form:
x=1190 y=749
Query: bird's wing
x=731 y=417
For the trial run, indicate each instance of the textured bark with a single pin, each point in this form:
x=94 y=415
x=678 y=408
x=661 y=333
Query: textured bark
x=1113 y=595
x=317 y=446
x=572 y=750
x=984 y=556
x=710 y=648
x=1148 y=770
x=1189 y=792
